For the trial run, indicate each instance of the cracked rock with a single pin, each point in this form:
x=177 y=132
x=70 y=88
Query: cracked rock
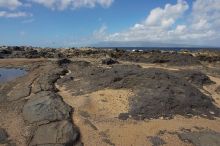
x=57 y=134
x=45 y=107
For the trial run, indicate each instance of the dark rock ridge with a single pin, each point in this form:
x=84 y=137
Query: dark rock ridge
x=158 y=93
x=147 y=56
x=209 y=59
x=48 y=112
x=46 y=81
x=195 y=77
x=173 y=59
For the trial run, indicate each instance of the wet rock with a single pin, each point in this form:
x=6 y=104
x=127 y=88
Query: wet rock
x=3 y=136
x=109 y=61
x=58 y=133
x=45 y=107
x=201 y=138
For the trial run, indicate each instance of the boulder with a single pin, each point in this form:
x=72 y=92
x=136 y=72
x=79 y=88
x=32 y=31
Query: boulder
x=45 y=107
x=63 y=61
x=109 y=61
x=55 y=134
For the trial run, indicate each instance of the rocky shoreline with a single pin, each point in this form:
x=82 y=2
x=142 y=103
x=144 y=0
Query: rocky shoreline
x=158 y=85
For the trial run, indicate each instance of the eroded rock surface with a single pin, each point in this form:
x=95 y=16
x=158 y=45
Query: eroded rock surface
x=46 y=80
x=45 y=107
x=195 y=77
x=57 y=133
x=159 y=93
x=201 y=138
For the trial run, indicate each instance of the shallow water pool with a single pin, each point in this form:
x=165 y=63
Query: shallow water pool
x=8 y=74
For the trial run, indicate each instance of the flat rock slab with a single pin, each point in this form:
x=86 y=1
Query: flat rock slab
x=56 y=134
x=45 y=107
x=203 y=138
x=19 y=91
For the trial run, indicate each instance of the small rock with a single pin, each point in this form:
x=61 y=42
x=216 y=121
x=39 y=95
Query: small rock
x=109 y=61
x=123 y=116
x=63 y=61
x=156 y=141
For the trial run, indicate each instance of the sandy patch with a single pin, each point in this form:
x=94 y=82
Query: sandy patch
x=95 y=115
x=211 y=89
x=15 y=127
x=145 y=65
x=106 y=103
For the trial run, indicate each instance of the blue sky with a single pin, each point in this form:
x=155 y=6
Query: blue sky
x=64 y=23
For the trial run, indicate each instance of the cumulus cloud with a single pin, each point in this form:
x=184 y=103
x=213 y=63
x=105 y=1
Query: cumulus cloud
x=163 y=25
x=10 y=4
x=6 y=14
x=166 y=17
x=156 y=26
x=64 y=4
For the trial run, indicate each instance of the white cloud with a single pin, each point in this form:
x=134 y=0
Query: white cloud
x=10 y=4
x=166 y=17
x=6 y=14
x=157 y=25
x=163 y=25
x=64 y=4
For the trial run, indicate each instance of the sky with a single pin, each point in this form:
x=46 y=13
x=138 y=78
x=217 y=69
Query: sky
x=69 y=23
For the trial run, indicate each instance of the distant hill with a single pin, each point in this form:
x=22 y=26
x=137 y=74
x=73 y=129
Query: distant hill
x=146 y=44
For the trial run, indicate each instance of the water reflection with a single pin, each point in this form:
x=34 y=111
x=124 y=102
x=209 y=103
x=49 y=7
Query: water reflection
x=10 y=74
